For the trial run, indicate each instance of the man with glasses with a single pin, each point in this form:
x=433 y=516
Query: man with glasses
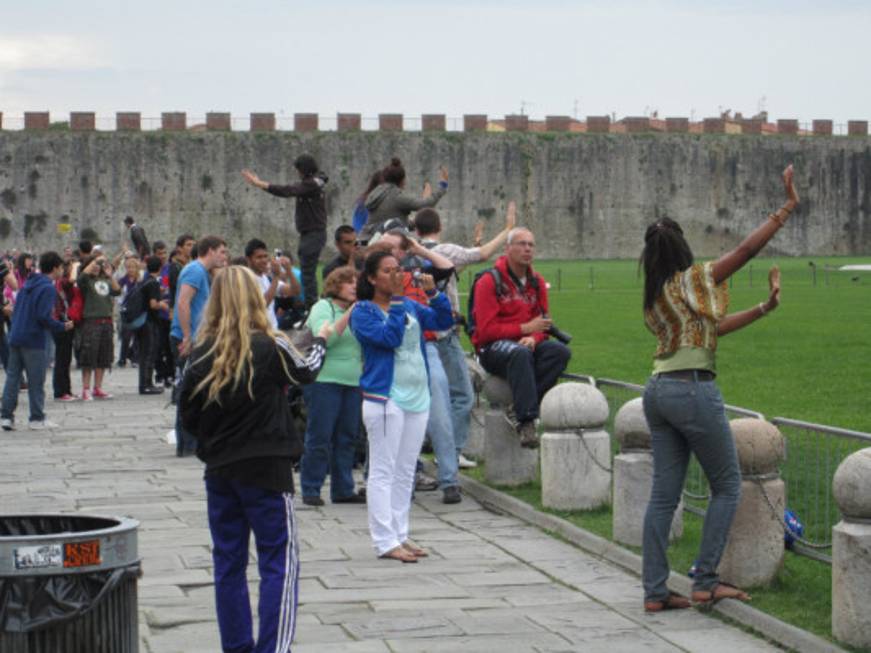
x=346 y=245
x=511 y=332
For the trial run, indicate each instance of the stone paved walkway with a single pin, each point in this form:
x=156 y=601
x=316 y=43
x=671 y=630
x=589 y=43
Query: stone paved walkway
x=492 y=583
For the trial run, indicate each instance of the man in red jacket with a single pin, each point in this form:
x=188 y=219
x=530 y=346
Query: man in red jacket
x=511 y=333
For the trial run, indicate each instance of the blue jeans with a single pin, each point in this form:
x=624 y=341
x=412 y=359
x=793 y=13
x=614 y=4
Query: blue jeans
x=460 y=385
x=440 y=426
x=687 y=416
x=34 y=362
x=330 y=438
x=235 y=510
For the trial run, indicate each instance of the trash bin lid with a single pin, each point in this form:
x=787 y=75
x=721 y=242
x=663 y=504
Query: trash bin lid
x=52 y=544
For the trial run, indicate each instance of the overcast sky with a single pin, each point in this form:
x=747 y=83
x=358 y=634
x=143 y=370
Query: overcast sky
x=797 y=59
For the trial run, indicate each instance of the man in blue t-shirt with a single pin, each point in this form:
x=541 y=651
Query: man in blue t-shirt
x=191 y=296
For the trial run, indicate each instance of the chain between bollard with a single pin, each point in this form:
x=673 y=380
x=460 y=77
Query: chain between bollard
x=580 y=433
x=779 y=517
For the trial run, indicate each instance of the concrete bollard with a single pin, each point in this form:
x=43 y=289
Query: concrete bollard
x=755 y=550
x=575 y=448
x=851 y=552
x=475 y=443
x=633 y=476
x=507 y=463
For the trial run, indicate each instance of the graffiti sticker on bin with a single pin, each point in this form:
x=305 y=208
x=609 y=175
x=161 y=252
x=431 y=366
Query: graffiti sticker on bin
x=82 y=554
x=39 y=557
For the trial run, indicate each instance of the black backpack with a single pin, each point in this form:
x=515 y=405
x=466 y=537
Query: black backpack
x=133 y=309
x=500 y=290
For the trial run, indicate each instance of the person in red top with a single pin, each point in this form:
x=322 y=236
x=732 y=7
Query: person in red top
x=511 y=333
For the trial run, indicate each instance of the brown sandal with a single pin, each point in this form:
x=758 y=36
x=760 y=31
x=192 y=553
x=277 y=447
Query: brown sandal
x=673 y=602
x=414 y=550
x=399 y=553
x=706 y=599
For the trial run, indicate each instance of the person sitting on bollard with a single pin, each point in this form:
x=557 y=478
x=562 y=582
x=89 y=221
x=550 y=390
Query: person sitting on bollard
x=396 y=396
x=685 y=307
x=509 y=328
x=233 y=400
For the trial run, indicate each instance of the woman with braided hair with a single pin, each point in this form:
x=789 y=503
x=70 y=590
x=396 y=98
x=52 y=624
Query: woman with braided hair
x=685 y=308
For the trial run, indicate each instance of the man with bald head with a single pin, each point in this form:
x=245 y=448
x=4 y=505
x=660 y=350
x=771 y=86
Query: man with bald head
x=511 y=331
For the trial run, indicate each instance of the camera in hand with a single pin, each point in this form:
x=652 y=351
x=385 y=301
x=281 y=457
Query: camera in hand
x=554 y=331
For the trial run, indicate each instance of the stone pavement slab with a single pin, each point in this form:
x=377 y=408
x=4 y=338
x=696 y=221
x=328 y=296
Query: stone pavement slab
x=491 y=584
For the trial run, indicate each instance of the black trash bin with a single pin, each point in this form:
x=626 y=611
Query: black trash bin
x=68 y=584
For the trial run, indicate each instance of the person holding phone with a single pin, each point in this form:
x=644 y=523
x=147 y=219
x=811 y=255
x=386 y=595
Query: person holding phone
x=98 y=286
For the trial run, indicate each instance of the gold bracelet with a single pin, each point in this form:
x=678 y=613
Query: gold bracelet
x=779 y=221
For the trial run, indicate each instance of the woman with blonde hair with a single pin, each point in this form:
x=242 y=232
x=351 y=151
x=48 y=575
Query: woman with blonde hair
x=233 y=400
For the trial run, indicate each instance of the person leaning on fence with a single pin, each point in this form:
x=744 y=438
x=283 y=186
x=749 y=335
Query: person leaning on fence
x=233 y=400
x=396 y=398
x=511 y=326
x=685 y=307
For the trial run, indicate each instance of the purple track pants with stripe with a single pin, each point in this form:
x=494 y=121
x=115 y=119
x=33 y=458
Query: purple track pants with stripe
x=234 y=511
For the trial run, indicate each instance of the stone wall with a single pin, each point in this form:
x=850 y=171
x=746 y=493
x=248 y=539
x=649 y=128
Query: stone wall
x=585 y=195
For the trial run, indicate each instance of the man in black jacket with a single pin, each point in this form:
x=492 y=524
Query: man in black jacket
x=310 y=217
x=138 y=238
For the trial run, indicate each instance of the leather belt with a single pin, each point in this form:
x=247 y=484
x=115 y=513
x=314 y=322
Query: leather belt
x=688 y=375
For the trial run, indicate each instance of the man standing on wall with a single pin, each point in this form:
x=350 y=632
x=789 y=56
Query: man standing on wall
x=310 y=217
x=138 y=238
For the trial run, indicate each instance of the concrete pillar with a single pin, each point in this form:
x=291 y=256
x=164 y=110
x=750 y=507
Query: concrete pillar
x=507 y=463
x=390 y=122
x=557 y=123
x=262 y=122
x=575 y=448
x=857 y=127
x=517 y=123
x=851 y=552
x=128 y=121
x=677 y=125
x=755 y=550
x=305 y=122
x=475 y=122
x=475 y=443
x=598 y=124
x=348 y=122
x=173 y=121
x=633 y=476
x=218 y=122
x=433 y=122
x=36 y=120
x=83 y=121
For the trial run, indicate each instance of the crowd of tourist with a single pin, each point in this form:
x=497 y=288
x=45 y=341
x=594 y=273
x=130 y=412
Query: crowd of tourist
x=376 y=358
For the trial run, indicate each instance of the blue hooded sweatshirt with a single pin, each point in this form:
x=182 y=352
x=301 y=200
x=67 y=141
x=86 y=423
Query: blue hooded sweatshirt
x=32 y=316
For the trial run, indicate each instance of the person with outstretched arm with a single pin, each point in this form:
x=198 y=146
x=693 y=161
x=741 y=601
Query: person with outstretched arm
x=685 y=307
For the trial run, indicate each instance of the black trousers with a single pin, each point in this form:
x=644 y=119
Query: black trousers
x=529 y=373
x=185 y=442
x=63 y=357
x=164 y=367
x=128 y=344
x=310 y=245
x=146 y=344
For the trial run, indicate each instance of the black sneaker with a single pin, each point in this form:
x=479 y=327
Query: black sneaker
x=528 y=435
x=313 y=501
x=451 y=494
x=354 y=498
x=151 y=390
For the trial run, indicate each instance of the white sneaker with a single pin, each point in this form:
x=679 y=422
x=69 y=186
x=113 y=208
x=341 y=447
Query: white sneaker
x=7 y=424
x=465 y=463
x=43 y=425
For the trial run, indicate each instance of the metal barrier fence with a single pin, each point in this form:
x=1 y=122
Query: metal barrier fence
x=814 y=452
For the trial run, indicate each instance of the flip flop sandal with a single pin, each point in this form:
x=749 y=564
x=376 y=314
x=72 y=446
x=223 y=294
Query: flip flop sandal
x=705 y=603
x=400 y=554
x=673 y=602
x=415 y=550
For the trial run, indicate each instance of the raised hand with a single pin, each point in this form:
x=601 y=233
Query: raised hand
x=511 y=215
x=427 y=282
x=773 y=289
x=788 y=175
x=443 y=174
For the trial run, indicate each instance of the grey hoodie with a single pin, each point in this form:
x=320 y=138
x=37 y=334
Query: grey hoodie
x=388 y=201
